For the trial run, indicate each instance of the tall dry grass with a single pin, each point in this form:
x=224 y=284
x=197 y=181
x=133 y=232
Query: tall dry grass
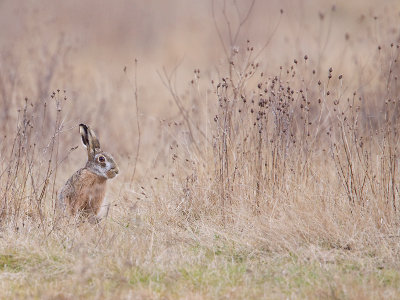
x=267 y=182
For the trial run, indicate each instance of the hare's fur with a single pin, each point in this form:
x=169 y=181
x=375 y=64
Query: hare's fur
x=85 y=191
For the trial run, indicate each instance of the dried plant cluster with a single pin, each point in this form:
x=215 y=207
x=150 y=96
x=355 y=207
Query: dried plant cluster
x=266 y=183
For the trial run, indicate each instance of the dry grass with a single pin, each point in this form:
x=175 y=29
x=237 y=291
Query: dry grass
x=257 y=179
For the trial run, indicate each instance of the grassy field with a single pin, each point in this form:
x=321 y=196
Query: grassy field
x=258 y=146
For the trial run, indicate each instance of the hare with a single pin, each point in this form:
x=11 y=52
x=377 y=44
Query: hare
x=85 y=191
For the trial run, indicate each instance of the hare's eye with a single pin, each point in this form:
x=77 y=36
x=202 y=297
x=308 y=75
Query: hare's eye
x=101 y=158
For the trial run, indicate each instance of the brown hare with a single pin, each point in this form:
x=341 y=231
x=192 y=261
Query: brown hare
x=85 y=191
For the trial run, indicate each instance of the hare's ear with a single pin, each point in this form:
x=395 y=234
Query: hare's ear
x=84 y=131
x=93 y=141
x=89 y=139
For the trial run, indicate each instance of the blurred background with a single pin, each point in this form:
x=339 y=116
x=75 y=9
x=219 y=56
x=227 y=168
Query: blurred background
x=88 y=49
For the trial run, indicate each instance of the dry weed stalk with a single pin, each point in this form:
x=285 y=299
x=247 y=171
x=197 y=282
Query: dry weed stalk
x=31 y=164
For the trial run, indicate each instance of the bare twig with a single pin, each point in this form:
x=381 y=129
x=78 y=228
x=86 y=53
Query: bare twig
x=137 y=125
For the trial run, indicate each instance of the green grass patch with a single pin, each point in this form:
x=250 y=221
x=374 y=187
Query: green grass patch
x=9 y=262
x=215 y=272
x=14 y=262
